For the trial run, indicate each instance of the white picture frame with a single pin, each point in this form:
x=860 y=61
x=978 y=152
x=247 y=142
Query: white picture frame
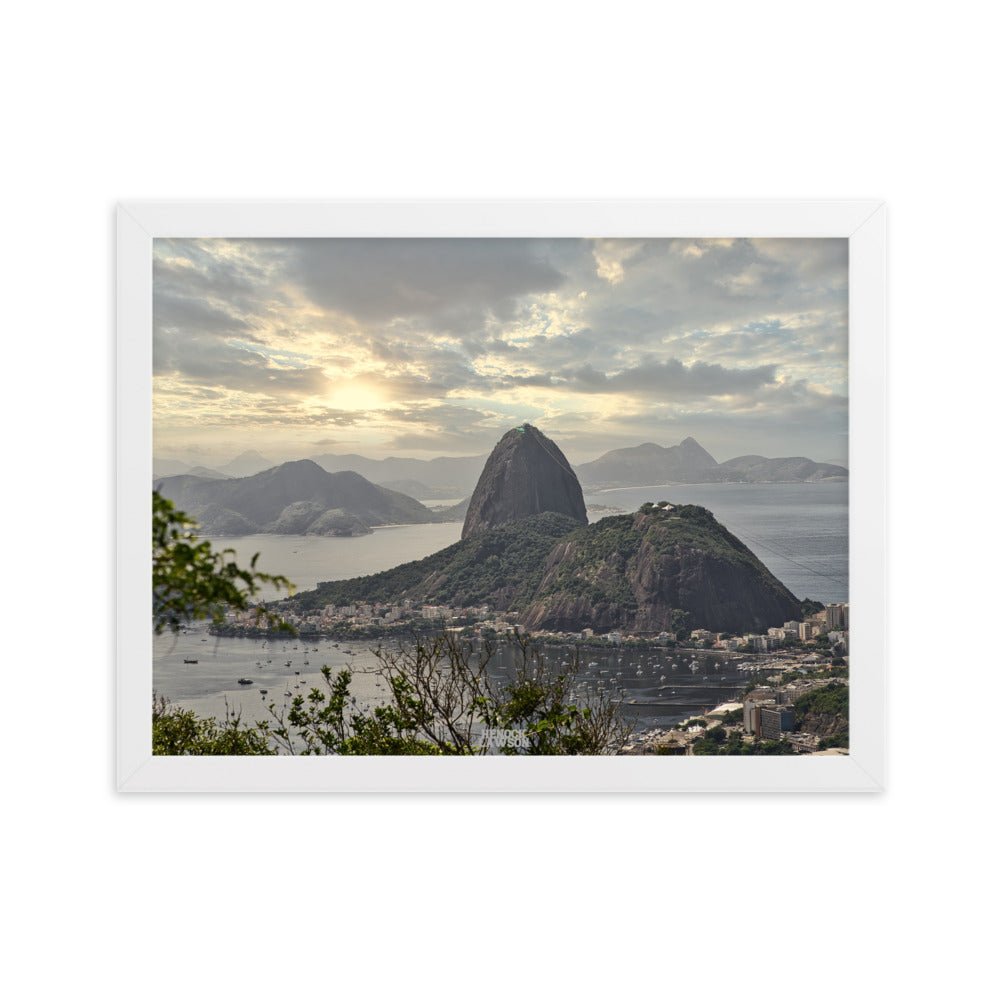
x=862 y=222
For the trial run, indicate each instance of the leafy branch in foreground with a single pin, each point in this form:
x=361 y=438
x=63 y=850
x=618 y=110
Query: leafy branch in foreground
x=191 y=582
x=179 y=732
x=443 y=696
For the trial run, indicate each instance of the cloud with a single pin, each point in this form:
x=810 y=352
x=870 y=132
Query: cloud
x=670 y=379
x=210 y=362
x=196 y=318
x=447 y=285
x=610 y=257
x=420 y=341
x=454 y=442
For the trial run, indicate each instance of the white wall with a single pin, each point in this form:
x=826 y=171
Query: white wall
x=211 y=896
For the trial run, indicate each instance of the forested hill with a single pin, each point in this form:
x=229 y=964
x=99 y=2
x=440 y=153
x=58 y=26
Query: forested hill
x=629 y=572
x=501 y=566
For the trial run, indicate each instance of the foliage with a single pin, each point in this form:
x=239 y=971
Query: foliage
x=810 y=608
x=768 y=748
x=179 y=732
x=325 y=722
x=837 y=740
x=830 y=671
x=602 y=554
x=692 y=724
x=680 y=624
x=732 y=745
x=598 y=558
x=191 y=582
x=442 y=696
x=832 y=699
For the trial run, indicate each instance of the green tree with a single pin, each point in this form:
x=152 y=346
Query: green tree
x=837 y=740
x=680 y=624
x=443 y=696
x=179 y=732
x=191 y=582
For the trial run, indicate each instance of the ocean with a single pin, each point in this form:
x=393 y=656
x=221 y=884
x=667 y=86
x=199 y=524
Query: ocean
x=799 y=531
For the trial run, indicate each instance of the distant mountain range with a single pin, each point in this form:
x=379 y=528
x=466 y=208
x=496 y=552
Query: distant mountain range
x=245 y=464
x=438 y=478
x=294 y=498
x=451 y=478
x=651 y=465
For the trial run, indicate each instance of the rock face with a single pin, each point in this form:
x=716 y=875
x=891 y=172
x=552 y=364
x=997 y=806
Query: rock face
x=525 y=475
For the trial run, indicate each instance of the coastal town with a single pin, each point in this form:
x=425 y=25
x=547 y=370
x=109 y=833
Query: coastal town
x=829 y=626
x=788 y=667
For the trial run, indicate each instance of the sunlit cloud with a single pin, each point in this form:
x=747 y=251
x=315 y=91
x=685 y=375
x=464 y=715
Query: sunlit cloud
x=438 y=346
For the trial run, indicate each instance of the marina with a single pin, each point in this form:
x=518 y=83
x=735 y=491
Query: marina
x=656 y=687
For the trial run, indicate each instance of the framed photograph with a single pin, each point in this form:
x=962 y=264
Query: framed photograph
x=501 y=497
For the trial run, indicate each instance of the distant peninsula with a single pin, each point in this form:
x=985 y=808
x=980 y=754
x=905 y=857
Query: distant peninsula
x=452 y=478
x=652 y=465
x=295 y=498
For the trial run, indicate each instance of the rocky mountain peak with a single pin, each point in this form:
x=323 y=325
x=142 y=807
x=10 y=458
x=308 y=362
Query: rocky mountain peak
x=526 y=474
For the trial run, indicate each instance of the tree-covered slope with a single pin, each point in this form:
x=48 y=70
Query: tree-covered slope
x=501 y=566
x=630 y=572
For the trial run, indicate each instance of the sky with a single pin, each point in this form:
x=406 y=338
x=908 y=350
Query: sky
x=426 y=347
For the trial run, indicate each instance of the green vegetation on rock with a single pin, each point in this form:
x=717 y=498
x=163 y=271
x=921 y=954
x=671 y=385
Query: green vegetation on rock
x=662 y=568
x=501 y=566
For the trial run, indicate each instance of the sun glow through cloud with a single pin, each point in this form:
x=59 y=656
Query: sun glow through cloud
x=390 y=342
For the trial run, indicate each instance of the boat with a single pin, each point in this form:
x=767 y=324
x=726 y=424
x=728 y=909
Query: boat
x=190 y=661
